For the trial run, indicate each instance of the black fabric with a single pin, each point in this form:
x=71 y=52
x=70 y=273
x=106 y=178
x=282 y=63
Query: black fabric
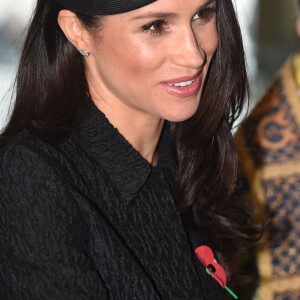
x=89 y=218
x=103 y=7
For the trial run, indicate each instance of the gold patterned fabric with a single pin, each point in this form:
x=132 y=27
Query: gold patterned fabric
x=269 y=150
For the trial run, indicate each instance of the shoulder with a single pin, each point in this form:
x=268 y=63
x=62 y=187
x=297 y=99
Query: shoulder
x=26 y=154
x=43 y=171
x=31 y=169
x=56 y=171
x=34 y=189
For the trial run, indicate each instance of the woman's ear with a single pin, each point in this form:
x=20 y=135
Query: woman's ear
x=74 y=30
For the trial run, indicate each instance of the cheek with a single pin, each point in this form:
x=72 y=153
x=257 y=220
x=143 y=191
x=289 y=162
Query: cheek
x=214 y=42
x=208 y=40
x=211 y=46
x=132 y=56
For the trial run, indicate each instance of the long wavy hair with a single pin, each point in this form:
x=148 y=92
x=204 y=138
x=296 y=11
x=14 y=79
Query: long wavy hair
x=205 y=151
x=51 y=91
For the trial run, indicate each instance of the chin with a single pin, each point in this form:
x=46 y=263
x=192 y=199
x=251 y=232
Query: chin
x=180 y=116
x=180 y=112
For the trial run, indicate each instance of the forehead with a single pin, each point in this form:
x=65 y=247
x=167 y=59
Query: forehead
x=103 y=7
x=170 y=7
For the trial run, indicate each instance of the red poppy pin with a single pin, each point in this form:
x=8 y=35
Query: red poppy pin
x=213 y=268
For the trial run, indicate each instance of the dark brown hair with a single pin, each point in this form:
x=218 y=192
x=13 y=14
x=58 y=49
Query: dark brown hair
x=51 y=90
x=206 y=156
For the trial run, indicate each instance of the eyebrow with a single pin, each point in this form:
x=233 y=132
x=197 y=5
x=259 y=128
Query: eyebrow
x=150 y=14
x=162 y=15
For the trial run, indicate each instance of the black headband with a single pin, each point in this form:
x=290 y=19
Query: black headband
x=103 y=7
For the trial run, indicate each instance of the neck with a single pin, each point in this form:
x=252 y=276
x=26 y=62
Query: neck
x=139 y=129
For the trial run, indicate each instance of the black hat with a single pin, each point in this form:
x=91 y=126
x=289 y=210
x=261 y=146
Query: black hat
x=103 y=7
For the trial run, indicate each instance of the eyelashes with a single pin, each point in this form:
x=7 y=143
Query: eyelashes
x=205 y=15
x=160 y=26
x=157 y=27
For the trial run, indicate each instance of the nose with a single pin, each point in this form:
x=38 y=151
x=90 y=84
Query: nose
x=187 y=51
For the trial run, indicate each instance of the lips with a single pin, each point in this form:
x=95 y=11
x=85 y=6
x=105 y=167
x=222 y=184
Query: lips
x=185 y=86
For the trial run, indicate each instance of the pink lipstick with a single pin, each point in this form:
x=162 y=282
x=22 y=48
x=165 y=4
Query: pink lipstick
x=185 y=86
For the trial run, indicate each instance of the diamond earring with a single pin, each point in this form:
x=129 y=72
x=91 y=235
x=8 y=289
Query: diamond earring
x=84 y=53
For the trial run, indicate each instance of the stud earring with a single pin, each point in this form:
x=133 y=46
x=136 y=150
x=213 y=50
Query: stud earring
x=84 y=53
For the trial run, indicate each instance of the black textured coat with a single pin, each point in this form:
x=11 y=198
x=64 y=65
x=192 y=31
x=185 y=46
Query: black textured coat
x=89 y=218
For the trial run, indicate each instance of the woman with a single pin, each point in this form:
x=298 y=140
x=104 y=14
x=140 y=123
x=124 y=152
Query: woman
x=108 y=131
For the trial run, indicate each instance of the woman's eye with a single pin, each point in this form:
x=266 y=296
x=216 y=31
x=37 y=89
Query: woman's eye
x=205 y=15
x=156 y=27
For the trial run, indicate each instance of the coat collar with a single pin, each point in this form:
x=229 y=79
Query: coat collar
x=129 y=172
x=124 y=165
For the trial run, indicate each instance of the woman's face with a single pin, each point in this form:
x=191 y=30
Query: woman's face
x=153 y=61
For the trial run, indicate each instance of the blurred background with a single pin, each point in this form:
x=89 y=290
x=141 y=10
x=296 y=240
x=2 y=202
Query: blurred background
x=267 y=28
x=14 y=16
